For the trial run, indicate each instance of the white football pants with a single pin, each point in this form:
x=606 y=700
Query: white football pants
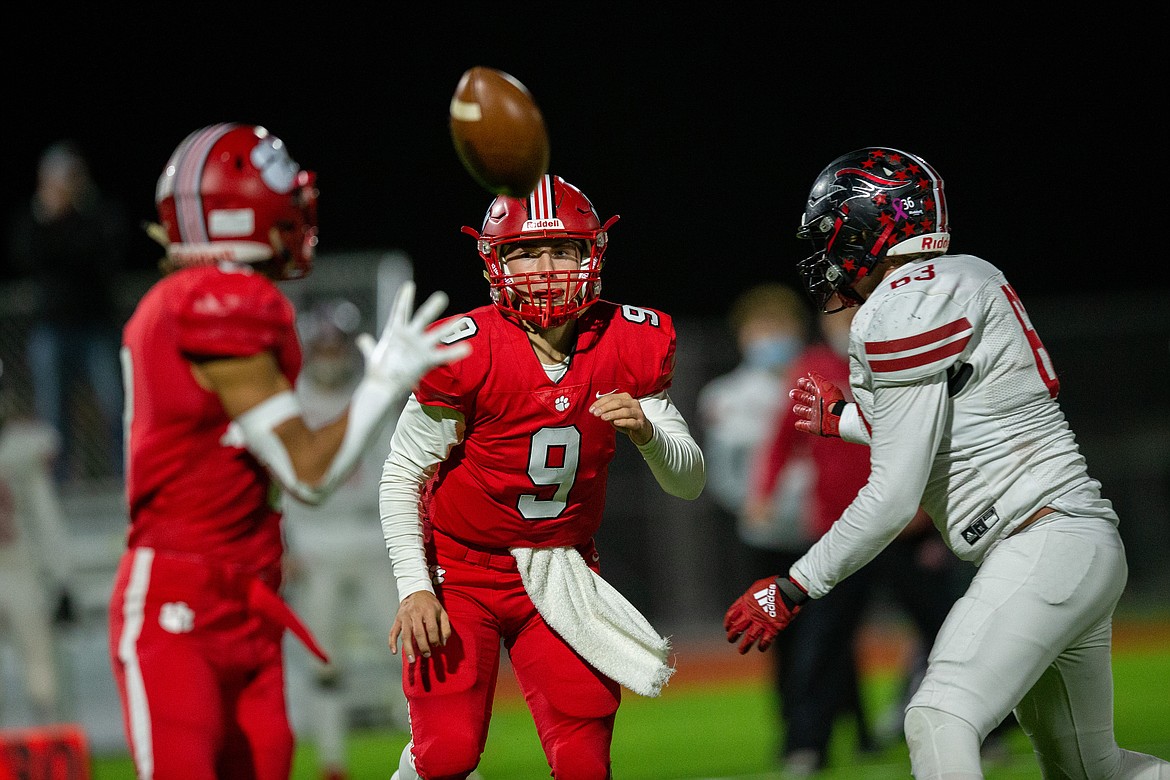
x=1033 y=632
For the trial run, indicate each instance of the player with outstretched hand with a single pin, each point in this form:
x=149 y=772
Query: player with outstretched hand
x=957 y=399
x=508 y=451
x=215 y=431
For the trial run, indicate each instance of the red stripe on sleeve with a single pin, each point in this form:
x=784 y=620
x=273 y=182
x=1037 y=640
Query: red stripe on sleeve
x=919 y=340
x=920 y=359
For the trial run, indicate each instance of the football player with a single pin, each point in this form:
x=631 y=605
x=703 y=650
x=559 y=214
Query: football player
x=509 y=451
x=36 y=564
x=338 y=578
x=210 y=356
x=957 y=399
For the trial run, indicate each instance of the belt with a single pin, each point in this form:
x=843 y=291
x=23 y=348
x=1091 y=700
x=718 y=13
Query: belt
x=495 y=558
x=1043 y=511
x=489 y=557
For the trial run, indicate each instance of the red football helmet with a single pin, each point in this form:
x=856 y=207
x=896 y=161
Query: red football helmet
x=558 y=210
x=231 y=192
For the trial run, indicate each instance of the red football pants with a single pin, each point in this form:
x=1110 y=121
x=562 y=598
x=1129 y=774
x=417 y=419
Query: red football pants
x=200 y=673
x=451 y=693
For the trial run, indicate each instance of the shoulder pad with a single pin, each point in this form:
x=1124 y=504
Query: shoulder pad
x=234 y=315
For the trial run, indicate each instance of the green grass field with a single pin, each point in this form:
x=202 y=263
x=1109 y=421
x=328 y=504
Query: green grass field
x=728 y=730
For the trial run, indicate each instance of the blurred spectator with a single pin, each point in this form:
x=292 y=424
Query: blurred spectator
x=770 y=323
x=339 y=573
x=815 y=663
x=70 y=243
x=34 y=560
x=742 y=414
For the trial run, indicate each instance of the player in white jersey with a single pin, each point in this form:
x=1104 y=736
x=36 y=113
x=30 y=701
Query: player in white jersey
x=342 y=583
x=956 y=397
x=36 y=561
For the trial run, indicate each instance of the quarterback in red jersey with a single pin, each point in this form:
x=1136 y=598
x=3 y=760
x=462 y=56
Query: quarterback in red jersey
x=210 y=357
x=508 y=451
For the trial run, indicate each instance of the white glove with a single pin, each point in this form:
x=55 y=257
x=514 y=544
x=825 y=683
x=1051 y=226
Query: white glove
x=406 y=350
x=394 y=365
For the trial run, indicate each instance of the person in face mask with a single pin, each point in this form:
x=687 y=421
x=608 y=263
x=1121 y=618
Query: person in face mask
x=790 y=499
x=770 y=324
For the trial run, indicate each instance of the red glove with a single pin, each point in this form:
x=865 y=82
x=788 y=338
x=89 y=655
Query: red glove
x=763 y=611
x=819 y=404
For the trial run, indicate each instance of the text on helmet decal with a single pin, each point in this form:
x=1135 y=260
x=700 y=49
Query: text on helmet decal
x=926 y=242
x=231 y=223
x=542 y=224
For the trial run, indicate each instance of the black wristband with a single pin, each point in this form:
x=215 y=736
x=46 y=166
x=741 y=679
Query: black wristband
x=838 y=407
x=792 y=594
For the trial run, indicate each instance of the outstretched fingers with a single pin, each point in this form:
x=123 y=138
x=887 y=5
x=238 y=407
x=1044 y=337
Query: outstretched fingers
x=431 y=308
x=403 y=304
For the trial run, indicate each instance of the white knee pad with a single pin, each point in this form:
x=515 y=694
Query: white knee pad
x=942 y=746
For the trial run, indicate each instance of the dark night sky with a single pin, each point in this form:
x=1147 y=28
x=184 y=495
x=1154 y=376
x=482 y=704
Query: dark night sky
x=703 y=132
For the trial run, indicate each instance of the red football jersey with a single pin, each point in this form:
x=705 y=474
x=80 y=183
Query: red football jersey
x=842 y=467
x=187 y=491
x=531 y=470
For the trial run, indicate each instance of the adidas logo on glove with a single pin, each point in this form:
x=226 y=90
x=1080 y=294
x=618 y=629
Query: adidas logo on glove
x=766 y=598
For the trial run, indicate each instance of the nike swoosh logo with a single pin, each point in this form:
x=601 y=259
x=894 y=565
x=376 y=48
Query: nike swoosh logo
x=611 y=392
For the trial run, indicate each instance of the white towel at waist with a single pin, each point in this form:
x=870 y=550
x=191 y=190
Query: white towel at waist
x=598 y=622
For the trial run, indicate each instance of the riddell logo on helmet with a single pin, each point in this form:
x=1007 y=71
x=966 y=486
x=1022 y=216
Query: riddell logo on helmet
x=935 y=243
x=542 y=224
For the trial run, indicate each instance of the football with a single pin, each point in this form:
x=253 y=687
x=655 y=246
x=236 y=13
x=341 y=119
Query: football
x=499 y=132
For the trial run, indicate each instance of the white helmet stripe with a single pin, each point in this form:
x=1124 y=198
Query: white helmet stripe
x=541 y=204
x=940 y=200
x=190 y=161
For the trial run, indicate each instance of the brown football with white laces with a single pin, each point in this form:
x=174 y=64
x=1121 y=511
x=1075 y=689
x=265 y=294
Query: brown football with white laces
x=499 y=132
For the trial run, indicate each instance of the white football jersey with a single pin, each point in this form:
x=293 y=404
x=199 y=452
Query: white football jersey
x=947 y=346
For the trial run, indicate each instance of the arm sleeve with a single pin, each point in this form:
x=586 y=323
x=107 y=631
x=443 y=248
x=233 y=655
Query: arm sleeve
x=423 y=438
x=369 y=411
x=672 y=453
x=906 y=431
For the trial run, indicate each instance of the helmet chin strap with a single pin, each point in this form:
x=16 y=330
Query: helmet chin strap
x=847 y=296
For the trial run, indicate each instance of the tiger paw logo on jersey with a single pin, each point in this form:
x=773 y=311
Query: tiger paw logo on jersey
x=561 y=398
x=766 y=598
x=438 y=573
x=176 y=617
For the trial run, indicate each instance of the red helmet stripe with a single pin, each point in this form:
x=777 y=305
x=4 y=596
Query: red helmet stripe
x=871 y=177
x=190 y=163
